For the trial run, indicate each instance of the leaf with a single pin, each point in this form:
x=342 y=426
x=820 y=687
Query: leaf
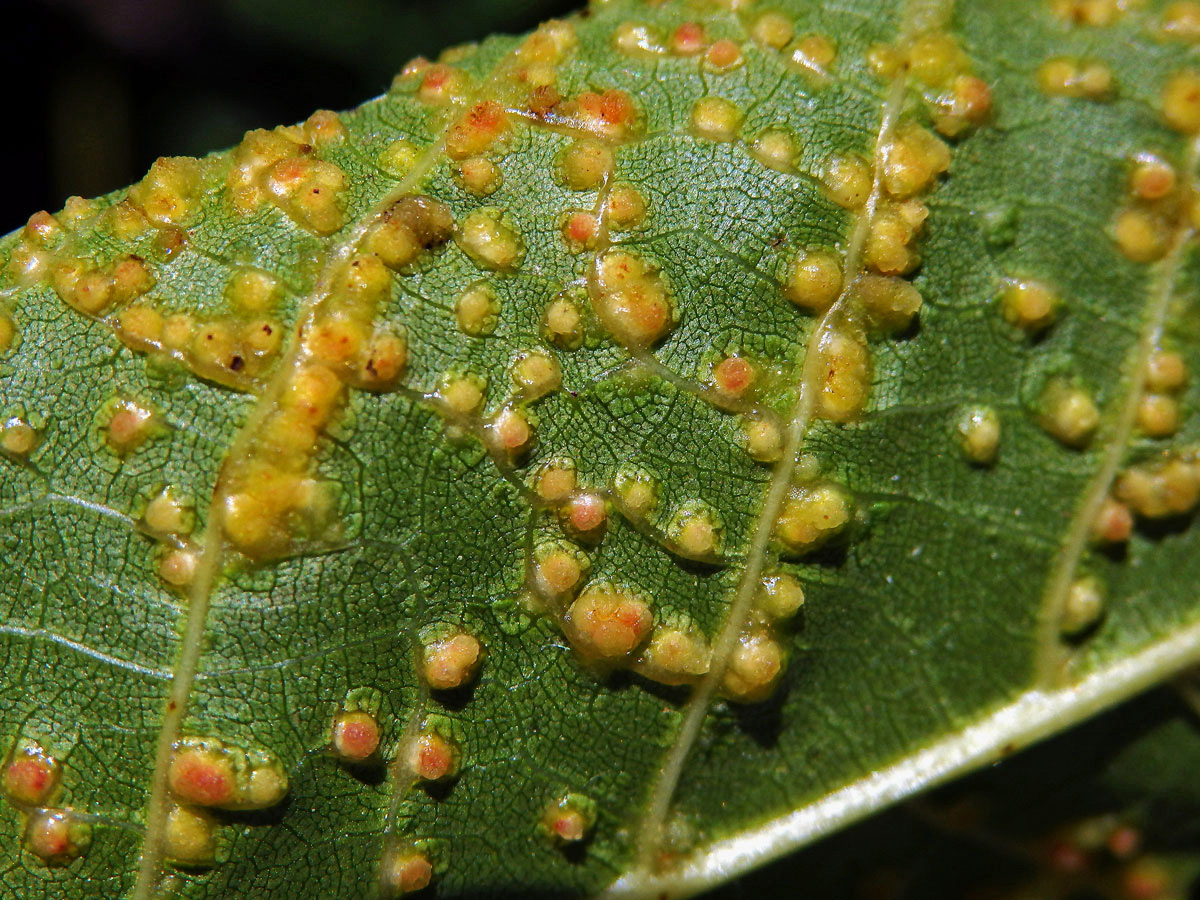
x=501 y=418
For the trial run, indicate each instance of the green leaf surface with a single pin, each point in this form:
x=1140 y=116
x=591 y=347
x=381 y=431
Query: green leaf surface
x=226 y=525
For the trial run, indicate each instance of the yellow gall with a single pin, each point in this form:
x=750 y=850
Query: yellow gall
x=890 y=304
x=848 y=181
x=550 y=43
x=607 y=622
x=585 y=515
x=451 y=662
x=1161 y=489
x=568 y=820
x=559 y=571
x=431 y=757
x=813 y=53
x=334 y=340
x=1068 y=413
x=536 y=373
x=1029 y=305
x=1181 y=102
x=1165 y=371
x=480 y=126
x=912 y=160
x=772 y=29
x=308 y=192
x=442 y=85
x=140 y=324
x=780 y=597
x=1065 y=77
x=716 y=119
x=884 y=61
x=634 y=39
x=128 y=223
x=167 y=513
x=634 y=301
x=734 y=376
x=1082 y=607
x=398 y=158
x=580 y=231
x=189 y=836
x=723 y=56
x=410 y=226
x=56 y=836
x=178 y=567
x=695 y=530
x=355 y=736
x=381 y=361
x=556 y=481
x=42 y=229
x=490 y=241
x=776 y=149
x=168 y=195
x=31 y=775
x=129 y=426
x=177 y=331
x=8 y=333
x=675 y=656
x=511 y=430
x=979 y=434
x=967 y=103
x=1158 y=415
x=87 y=290
x=252 y=290
x=636 y=492
x=688 y=39
x=814 y=280
x=1141 y=234
x=17 y=437
x=477 y=310
x=480 y=176
x=1113 y=523
x=764 y=442
x=562 y=324
x=888 y=250
x=1181 y=20
x=754 y=668
x=462 y=393
x=812 y=515
x=586 y=164
x=262 y=336
x=845 y=366
x=77 y=210
x=407 y=871
x=625 y=209
x=1152 y=177
x=935 y=58
x=204 y=775
x=322 y=128
x=313 y=391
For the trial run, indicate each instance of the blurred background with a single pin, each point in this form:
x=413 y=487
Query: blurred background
x=101 y=88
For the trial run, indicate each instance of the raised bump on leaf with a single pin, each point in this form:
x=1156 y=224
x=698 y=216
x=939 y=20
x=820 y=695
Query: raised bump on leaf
x=31 y=775
x=57 y=836
x=979 y=434
x=451 y=660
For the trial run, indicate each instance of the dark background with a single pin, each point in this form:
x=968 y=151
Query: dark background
x=98 y=89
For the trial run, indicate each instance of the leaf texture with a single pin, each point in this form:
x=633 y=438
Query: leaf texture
x=509 y=413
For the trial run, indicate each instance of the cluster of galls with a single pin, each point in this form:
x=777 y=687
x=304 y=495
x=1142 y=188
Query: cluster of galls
x=207 y=775
x=614 y=624
x=270 y=491
x=32 y=783
x=429 y=753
